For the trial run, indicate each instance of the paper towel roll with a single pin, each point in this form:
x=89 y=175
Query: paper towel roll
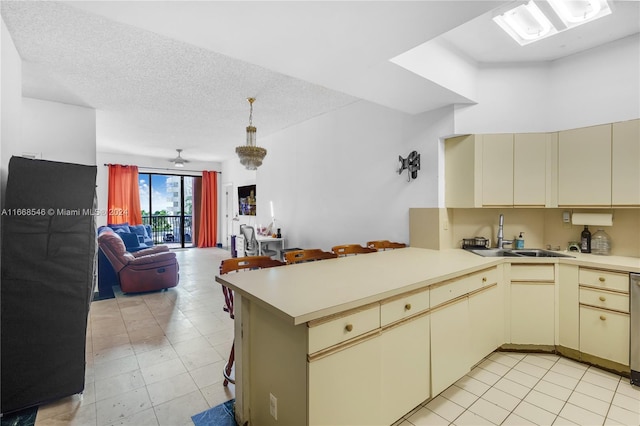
x=594 y=219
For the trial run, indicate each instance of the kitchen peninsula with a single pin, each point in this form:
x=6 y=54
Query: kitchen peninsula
x=364 y=339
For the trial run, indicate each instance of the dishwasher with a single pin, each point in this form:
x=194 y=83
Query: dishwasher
x=634 y=343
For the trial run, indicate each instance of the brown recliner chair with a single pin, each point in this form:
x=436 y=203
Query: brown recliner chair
x=150 y=269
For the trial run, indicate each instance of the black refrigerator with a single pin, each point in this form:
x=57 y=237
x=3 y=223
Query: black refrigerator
x=48 y=273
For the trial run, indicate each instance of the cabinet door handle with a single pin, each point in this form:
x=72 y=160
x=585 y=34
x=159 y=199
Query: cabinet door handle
x=602 y=298
x=601 y=279
x=349 y=327
x=602 y=317
x=407 y=307
x=484 y=279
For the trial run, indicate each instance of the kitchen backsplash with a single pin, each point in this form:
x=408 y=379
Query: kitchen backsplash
x=541 y=227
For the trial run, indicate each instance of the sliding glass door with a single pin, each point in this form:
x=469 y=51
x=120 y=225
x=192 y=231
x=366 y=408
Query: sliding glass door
x=167 y=204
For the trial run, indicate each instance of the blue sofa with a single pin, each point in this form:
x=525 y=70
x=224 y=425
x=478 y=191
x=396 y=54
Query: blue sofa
x=135 y=237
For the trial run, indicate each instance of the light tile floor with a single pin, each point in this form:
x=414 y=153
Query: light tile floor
x=154 y=358
x=157 y=359
x=510 y=388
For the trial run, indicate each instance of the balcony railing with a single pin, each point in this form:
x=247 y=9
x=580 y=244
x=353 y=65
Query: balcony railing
x=166 y=229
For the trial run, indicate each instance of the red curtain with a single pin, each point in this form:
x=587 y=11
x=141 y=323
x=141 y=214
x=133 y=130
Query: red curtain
x=208 y=225
x=123 y=201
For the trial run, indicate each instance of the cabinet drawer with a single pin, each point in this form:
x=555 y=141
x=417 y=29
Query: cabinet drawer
x=448 y=290
x=604 y=334
x=403 y=306
x=521 y=272
x=330 y=331
x=604 y=279
x=604 y=299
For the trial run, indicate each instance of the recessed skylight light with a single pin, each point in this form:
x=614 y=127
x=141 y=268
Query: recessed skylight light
x=578 y=12
x=526 y=23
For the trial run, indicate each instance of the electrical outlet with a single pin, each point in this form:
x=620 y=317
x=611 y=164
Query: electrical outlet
x=445 y=225
x=273 y=406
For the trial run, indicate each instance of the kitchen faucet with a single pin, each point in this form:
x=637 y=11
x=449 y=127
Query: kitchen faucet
x=500 y=238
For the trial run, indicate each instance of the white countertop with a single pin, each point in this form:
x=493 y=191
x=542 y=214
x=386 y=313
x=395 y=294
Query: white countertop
x=307 y=291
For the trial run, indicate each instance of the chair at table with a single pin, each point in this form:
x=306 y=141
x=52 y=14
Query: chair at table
x=308 y=255
x=238 y=264
x=347 y=249
x=251 y=243
x=385 y=245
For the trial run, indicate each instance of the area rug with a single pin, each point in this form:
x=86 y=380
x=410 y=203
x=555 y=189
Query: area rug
x=26 y=417
x=220 y=415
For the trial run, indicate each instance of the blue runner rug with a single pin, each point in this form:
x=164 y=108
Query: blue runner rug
x=220 y=415
x=26 y=417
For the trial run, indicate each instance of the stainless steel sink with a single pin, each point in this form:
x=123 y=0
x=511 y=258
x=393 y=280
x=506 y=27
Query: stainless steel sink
x=539 y=253
x=496 y=252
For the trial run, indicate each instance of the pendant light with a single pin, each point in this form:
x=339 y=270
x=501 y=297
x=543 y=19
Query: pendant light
x=251 y=156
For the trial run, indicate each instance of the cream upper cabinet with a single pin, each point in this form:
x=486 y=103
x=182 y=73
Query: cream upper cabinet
x=625 y=164
x=497 y=170
x=532 y=176
x=584 y=166
x=463 y=171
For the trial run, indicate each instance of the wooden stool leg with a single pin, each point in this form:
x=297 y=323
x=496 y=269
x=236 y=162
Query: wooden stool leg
x=227 y=369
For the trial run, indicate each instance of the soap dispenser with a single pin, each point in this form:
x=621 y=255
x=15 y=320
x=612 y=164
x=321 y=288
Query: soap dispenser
x=520 y=242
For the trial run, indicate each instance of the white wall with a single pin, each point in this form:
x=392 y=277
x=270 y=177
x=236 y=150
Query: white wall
x=601 y=85
x=58 y=132
x=598 y=86
x=511 y=98
x=333 y=179
x=10 y=103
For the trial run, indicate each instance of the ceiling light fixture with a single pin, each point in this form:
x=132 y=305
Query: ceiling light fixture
x=251 y=156
x=179 y=161
x=574 y=13
x=525 y=23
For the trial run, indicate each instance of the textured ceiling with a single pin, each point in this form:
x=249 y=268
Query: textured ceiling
x=152 y=91
x=176 y=74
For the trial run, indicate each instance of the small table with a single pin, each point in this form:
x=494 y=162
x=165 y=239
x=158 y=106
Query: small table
x=262 y=239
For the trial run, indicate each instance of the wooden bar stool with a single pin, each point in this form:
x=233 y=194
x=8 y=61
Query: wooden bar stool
x=385 y=245
x=347 y=249
x=234 y=265
x=308 y=255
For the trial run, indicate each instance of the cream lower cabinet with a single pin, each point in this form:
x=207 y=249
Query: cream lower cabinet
x=344 y=387
x=604 y=314
x=374 y=377
x=405 y=367
x=568 y=309
x=532 y=304
x=486 y=322
x=605 y=334
x=450 y=341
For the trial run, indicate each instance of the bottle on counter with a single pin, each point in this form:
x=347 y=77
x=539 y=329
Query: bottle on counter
x=585 y=240
x=520 y=242
x=601 y=243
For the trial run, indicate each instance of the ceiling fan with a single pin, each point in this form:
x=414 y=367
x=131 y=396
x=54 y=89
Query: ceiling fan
x=179 y=161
